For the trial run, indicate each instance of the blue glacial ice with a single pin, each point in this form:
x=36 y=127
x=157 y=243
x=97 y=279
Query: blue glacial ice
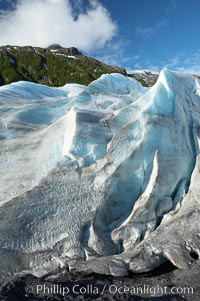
x=101 y=178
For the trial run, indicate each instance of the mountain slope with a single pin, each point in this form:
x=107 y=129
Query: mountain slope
x=53 y=66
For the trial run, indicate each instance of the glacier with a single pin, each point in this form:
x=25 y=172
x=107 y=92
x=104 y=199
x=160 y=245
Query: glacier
x=101 y=178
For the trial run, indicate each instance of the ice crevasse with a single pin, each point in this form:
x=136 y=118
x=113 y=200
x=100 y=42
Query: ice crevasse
x=103 y=178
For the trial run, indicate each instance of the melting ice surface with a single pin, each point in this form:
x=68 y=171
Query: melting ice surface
x=103 y=178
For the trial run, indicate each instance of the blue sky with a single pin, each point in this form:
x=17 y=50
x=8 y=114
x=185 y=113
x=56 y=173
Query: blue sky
x=157 y=33
x=135 y=34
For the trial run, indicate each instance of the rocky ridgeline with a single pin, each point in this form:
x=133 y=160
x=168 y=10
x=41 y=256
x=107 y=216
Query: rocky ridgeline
x=62 y=50
x=146 y=78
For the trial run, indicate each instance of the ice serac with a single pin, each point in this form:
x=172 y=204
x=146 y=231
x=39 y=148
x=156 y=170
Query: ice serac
x=103 y=178
x=36 y=123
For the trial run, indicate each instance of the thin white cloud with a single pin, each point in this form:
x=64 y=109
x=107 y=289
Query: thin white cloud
x=190 y=64
x=173 y=62
x=173 y=4
x=147 y=32
x=116 y=53
x=44 y=22
x=191 y=70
